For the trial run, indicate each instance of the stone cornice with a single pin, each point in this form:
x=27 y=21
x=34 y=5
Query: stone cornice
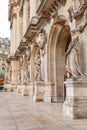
x=34 y=28
x=48 y=7
x=22 y=47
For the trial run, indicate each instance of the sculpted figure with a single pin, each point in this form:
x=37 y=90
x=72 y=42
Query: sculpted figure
x=72 y=58
x=8 y=73
x=42 y=41
x=25 y=77
x=28 y=53
x=19 y=76
x=21 y=60
x=38 y=68
x=27 y=74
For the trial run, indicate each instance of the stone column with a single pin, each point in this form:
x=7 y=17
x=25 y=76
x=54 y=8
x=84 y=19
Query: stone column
x=11 y=39
x=25 y=15
x=12 y=46
x=18 y=28
x=32 y=76
x=48 y=84
x=14 y=33
x=33 y=8
x=14 y=75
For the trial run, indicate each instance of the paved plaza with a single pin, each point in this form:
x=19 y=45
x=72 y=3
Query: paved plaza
x=21 y=113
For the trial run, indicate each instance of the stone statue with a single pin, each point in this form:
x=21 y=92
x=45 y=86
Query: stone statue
x=27 y=74
x=42 y=41
x=19 y=76
x=25 y=77
x=77 y=12
x=8 y=73
x=21 y=60
x=38 y=68
x=28 y=53
x=72 y=58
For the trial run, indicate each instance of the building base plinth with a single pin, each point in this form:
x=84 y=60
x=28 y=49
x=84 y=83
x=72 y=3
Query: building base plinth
x=75 y=105
x=31 y=89
x=7 y=88
x=47 y=96
x=13 y=87
x=19 y=88
x=39 y=91
x=25 y=90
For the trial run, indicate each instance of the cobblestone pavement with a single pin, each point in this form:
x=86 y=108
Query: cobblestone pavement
x=20 y=113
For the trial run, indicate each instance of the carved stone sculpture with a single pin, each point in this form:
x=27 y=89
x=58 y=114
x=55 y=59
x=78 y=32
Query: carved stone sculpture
x=79 y=15
x=27 y=74
x=72 y=58
x=8 y=73
x=38 y=68
x=19 y=76
x=42 y=41
x=79 y=12
x=21 y=60
x=28 y=53
x=25 y=77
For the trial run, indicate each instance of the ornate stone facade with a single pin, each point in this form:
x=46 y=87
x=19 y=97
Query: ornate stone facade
x=41 y=33
x=4 y=52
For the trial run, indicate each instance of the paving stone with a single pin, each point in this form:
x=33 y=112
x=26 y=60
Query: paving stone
x=21 y=113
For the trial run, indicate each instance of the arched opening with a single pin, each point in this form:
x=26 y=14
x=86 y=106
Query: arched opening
x=58 y=41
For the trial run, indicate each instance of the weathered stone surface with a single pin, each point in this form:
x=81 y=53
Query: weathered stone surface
x=21 y=113
x=39 y=91
x=44 y=35
x=75 y=105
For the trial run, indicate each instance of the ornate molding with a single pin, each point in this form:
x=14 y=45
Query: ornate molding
x=78 y=13
x=48 y=7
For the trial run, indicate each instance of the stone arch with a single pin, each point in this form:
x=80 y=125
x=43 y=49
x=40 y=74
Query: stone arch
x=57 y=44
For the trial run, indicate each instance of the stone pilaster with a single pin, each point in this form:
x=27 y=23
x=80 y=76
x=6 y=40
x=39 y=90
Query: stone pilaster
x=33 y=5
x=14 y=75
x=25 y=16
x=19 y=27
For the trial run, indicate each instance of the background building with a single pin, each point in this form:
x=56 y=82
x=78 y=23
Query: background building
x=39 y=62
x=4 y=51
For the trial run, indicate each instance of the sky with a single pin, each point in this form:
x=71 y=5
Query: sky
x=4 y=24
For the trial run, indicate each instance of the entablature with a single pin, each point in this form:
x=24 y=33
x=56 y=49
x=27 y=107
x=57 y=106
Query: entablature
x=48 y=7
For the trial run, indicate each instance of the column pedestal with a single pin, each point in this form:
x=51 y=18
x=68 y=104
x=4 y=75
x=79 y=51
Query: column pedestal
x=25 y=90
x=7 y=87
x=19 y=88
x=75 y=105
x=39 y=91
x=48 y=91
x=31 y=89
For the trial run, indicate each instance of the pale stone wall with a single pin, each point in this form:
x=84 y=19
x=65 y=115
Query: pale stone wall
x=44 y=29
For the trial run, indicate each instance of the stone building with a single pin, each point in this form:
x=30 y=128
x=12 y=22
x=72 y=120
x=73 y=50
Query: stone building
x=48 y=53
x=4 y=51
